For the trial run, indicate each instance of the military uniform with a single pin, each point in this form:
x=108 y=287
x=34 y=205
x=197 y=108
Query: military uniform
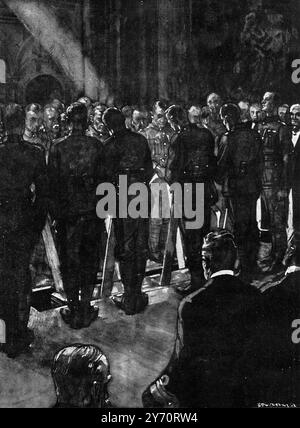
x=75 y=170
x=210 y=365
x=240 y=172
x=195 y=163
x=128 y=154
x=161 y=147
x=277 y=146
x=22 y=218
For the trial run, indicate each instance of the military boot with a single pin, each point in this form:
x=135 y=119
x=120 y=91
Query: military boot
x=72 y=315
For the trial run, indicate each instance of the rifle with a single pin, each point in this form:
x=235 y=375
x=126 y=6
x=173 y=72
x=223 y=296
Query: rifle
x=170 y=248
x=107 y=276
x=52 y=257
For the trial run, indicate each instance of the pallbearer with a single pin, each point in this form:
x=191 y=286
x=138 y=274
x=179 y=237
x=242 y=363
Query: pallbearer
x=194 y=163
x=22 y=218
x=277 y=146
x=240 y=166
x=127 y=154
x=75 y=172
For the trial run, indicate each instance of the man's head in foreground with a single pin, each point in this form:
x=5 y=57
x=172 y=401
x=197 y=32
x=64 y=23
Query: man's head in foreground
x=81 y=374
x=219 y=252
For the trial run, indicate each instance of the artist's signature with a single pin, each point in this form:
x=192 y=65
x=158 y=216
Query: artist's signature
x=276 y=406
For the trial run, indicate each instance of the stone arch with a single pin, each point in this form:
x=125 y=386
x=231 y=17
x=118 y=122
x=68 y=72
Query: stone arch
x=34 y=64
x=42 y=87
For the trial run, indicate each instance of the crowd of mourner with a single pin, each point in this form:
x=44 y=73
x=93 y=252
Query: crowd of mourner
x=235 y=346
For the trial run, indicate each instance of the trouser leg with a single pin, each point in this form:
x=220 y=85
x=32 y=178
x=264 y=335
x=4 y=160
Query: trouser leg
x=15 y=290
x=193 y=243
x=131 y=241
x=69 y=236
x=245 y=230
x=89 y=257
x=274 y=219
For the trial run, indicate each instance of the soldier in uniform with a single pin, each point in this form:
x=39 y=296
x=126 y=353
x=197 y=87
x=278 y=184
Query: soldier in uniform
x=33 y=124
x=240 y=173
x=195 y=116
x=75 y=170
x=277 y=146
x=127 y=153
x=22 y=218
x=256 y=115
x=195 y=162
x=159 y=135
x=215 y=125
x=140 y=120
x=283 y=114
x=96 y=128
x=210 y=364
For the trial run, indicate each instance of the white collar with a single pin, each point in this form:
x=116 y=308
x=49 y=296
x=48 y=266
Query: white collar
x=222 y=273
x=292 y=269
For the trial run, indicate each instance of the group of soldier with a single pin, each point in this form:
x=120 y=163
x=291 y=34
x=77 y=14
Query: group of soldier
x=53 y=159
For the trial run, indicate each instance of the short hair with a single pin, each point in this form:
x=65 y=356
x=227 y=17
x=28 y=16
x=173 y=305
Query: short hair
x=97 y=108
x=159 y=104
x=205 y=112
x=294 y=106
x=276 y=98
x=246 y=102
x=127 y=111
x=194 y=111
x=14 y=117
x=58 y=105
x=284 y=106
x=221 y=250
x=114 y=119
x=254 y=105
x=77 y=114
x=34 y=107
x=231 y=111
x=85 y=100
x=177 y=114
x=75 y=369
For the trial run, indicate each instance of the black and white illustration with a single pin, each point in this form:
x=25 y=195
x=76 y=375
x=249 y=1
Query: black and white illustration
x=149 y=205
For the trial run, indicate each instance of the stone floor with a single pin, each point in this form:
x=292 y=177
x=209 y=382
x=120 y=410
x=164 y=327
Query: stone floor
x=138 y=347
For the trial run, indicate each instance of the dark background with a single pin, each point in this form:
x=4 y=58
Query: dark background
x=179 y=50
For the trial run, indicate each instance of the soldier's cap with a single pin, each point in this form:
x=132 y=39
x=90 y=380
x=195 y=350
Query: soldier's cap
x=218 y=240
x=113 y=119
x=230 y=110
